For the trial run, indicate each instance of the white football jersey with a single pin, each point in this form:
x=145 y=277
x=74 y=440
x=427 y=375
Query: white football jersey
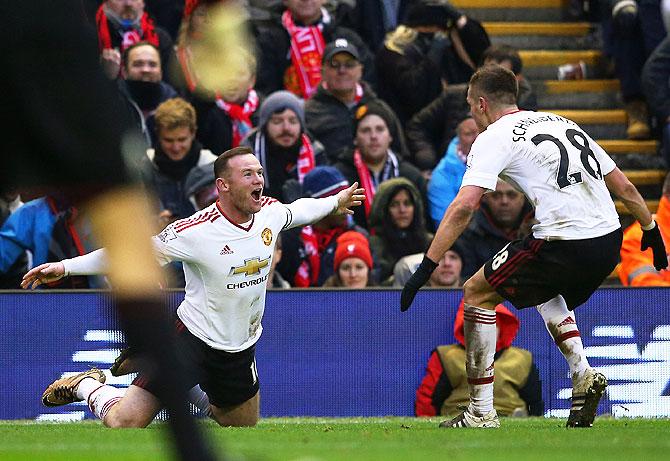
x=556 y=165
x=226 y=266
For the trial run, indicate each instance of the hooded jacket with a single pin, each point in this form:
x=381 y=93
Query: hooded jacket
x=517 y=387
x=389 y=244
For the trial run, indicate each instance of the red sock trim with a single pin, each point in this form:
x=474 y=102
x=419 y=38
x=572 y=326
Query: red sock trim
x=88 y=400
x=479 y=381
x=568 y=335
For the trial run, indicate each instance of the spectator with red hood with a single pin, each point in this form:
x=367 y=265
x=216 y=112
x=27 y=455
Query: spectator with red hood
x=517 y=389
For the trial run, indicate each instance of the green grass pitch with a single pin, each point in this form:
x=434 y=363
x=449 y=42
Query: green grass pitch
x=350 y=439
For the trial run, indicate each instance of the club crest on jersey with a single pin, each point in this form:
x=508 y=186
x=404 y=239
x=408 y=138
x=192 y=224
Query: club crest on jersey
x=266 y=236
x=251 y=266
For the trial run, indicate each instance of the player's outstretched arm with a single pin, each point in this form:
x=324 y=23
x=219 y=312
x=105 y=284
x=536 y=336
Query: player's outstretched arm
x=453 y=223
x=619 y=185
x=348 y=198
x=44 y=273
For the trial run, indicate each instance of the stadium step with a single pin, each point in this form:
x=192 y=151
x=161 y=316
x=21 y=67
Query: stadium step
x=578 y=94
x=544 y=35
x=599 y=124
x=626 y=146
x=646 y=177
x=514 y=10
x=543 y=64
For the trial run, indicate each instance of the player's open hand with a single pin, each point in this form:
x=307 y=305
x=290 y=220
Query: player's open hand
x=349 y=197
x=44 y=273
x=652 y=239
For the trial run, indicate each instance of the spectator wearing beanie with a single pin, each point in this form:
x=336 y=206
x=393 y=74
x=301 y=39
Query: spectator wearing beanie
x=373 y=160
x=436 y=44
x=309 y=252
x=352 y=263
x=282 y=146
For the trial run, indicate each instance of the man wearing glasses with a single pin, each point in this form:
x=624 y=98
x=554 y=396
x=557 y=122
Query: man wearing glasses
x=329 y=114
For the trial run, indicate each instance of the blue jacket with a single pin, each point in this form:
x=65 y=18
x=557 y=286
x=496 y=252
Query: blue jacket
x=445 y=182
x=28 y=228
x=47 y=231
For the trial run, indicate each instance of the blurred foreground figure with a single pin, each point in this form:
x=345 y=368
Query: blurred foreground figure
x=65 y=133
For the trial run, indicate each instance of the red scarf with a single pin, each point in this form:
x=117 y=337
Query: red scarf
x=366 y=181
x=306 y=160
x=314 y=243
x=147 y=32
x=240 y=115
x=307 y=44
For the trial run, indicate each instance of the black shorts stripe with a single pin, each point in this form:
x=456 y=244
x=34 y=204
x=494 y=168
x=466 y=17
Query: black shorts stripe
x=508 y=268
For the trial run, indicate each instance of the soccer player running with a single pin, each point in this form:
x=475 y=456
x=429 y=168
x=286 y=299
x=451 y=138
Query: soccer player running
x=226 y=250
x=572 y=248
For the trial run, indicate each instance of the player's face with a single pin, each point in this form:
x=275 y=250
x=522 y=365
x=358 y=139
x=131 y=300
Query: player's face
x=448 y=271
x=342 y=73
x=373 y=139
x=467 y=133
x=144 y=64
x=127 y=9
x=477 y=110
x=353 y=273
x=304 y=11
x=284 y=128
x=401 y=209
x=176 y=143
x=245 y=184
x=505 y=204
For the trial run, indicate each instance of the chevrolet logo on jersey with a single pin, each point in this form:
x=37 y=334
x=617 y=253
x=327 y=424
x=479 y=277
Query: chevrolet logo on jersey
x=251 y=266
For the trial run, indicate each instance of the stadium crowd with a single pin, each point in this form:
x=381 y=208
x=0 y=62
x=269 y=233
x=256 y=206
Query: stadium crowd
x=334 y=91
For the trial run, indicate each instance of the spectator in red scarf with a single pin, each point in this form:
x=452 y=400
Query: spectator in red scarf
x=309 y=252
x=330 y=112
x=121 y=23
x=373 y=160
x=286 y=152
x=291 y=49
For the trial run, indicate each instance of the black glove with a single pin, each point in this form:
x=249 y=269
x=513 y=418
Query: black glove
x=416 y=281
x=652 y=239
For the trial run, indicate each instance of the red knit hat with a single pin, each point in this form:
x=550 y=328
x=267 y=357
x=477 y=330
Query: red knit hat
x=352 y=244
x=190 y=5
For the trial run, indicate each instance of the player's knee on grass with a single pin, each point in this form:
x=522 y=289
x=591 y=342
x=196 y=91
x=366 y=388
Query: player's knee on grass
x=125 y=419
x=243 y=415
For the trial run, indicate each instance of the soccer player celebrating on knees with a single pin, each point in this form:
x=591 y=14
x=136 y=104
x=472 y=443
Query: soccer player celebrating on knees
x=226 y=250
x=572 y=248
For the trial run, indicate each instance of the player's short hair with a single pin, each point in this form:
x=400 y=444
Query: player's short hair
x=175 y=113
x=221 y=163
x=501 y=52
x=496 y=83
x=126 y=53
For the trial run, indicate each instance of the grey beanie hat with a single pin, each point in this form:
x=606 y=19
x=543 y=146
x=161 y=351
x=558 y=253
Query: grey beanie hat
x=199 y=177
x=279 y=101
